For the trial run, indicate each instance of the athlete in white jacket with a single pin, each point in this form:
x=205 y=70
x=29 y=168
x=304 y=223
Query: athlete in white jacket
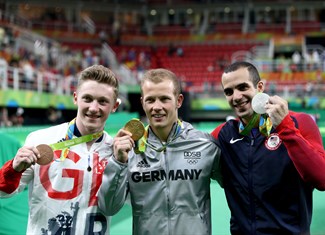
x=63 y=194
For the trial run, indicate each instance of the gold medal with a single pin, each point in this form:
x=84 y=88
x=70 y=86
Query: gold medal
x=136 y=127
x=46 y=153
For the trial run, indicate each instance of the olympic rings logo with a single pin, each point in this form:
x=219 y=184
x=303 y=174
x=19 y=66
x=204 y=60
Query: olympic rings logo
x=192 y=157
x=192 y=161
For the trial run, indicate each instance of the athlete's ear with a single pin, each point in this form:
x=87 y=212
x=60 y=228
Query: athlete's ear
x=75 y=95
x=117 y=103
x=260 y=86
x=179 y=100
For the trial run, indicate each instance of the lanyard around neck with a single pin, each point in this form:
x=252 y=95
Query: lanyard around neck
x=265 y=125
x=71 y=140
x=143 y=142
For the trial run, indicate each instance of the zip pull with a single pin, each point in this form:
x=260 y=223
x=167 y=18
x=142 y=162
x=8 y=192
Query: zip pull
x=89 y=167
x=252 y=141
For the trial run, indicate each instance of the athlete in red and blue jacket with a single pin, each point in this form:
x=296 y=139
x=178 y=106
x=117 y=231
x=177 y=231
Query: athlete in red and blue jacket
x=270 y=163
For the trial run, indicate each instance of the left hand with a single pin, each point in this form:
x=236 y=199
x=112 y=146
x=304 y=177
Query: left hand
x=276 y=108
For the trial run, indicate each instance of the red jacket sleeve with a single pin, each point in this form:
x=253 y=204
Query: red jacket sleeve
x=9 y=178
x=305 y=147
x=215 y=132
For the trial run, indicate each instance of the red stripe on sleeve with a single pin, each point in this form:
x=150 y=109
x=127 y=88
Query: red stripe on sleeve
x=9 y=178
x=215 y=132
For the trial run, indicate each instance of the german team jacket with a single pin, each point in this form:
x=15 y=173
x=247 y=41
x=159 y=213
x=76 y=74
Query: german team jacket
x=268 y=181
x=169 y=190
x=63 y=194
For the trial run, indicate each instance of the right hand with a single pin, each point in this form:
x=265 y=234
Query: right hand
x=277 y=109
x=25 y=157
x=122 y=144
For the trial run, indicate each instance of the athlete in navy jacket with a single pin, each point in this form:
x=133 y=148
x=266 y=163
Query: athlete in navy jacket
x=270 y=163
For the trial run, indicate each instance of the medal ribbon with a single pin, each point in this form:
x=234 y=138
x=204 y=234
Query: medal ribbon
x=265 y=125
x=71 y=140
x=246 y=130
x=143 y=142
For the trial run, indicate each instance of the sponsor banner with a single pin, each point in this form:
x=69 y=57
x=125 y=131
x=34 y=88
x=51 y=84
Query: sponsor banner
x=30 y=99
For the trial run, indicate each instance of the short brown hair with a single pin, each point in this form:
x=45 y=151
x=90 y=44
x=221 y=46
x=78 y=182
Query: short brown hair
x=100 y=74
x=253 y=73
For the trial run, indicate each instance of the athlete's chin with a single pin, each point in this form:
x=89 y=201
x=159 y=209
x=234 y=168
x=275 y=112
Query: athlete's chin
x=94 y=124
x=157 y=120
x=243 y=114
x=91 y=129
x=157 y=123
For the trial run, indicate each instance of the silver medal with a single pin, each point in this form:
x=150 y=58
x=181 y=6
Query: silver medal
x=259 y=101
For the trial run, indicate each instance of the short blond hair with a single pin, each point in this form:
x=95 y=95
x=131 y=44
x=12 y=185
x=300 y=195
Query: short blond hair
x=159 y=75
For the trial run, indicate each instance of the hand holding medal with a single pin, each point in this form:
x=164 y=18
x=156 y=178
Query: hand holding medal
x=123 y=142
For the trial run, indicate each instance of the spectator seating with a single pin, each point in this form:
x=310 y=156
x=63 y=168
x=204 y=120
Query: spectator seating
x=199 y=63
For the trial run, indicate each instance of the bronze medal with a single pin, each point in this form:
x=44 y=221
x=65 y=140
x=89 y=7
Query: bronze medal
x=136 y=127
x=46 y=153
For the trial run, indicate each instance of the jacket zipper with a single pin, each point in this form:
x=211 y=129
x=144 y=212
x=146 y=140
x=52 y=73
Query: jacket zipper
x=168 y=193
x=250 y=180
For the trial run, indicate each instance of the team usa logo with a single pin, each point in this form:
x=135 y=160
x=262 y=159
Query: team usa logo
x=273 y=142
